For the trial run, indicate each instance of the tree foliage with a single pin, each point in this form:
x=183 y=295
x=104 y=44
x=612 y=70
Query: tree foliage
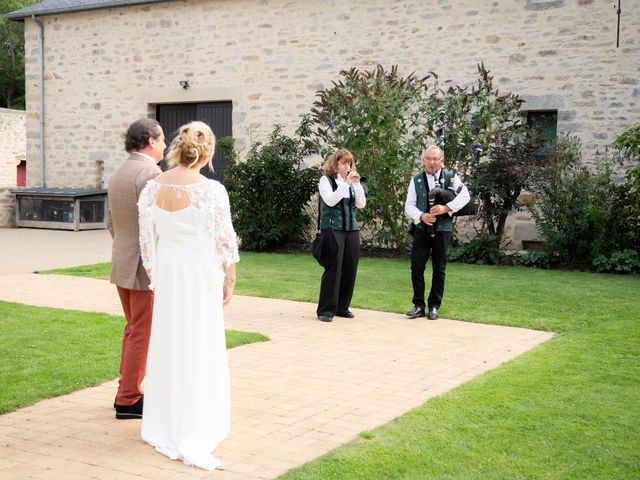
x=12 y=89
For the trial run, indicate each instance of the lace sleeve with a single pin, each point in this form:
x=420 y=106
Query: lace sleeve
x=147 y=236
x=224 y=237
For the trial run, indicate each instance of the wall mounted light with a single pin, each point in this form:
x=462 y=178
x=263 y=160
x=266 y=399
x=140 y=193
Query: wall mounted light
x=184 y=84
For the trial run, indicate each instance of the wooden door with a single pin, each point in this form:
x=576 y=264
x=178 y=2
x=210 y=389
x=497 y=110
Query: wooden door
x=218 y=115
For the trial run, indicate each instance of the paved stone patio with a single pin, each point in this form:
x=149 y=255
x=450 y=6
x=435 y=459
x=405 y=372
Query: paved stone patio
x=311 y=388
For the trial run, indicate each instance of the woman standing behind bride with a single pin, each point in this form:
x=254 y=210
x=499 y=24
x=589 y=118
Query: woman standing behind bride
x=189 y=249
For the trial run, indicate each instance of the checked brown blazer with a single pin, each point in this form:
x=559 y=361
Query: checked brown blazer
x=124 y=189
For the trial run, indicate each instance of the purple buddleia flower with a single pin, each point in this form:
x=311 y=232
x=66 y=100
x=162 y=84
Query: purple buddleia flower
x=329 y=121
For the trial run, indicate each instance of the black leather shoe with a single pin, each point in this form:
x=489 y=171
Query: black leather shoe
x=433 y=313
x=126 y=412
x=345 y=314
x=325 y=318
x=416 y=312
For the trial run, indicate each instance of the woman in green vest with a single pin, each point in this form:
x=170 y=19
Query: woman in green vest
x=341 y=194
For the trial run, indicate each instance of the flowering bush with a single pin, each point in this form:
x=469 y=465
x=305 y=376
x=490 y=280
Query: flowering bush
x=385 y=120
x=486 y=139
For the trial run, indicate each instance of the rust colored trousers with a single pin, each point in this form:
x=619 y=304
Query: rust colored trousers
x=138 y=309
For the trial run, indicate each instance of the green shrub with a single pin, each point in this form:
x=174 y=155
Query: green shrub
x=578 y=212
x=481 y=250
x=627 y=146
x=533 y=258
x=269 y=192
x=628 y=142
x=625 y=261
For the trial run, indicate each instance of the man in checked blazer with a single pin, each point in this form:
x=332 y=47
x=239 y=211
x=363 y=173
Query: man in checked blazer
x=144 y=141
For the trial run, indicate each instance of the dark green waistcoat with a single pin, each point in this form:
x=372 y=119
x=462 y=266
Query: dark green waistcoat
x=444 y=223
x=342 y=216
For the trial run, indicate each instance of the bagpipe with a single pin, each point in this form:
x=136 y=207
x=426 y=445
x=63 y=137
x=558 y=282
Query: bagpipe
x=442 y=196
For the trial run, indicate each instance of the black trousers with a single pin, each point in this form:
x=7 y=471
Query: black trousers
x=425 y=246
x=338 y=280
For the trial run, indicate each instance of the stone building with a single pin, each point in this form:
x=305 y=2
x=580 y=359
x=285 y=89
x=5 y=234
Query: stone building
x=12 y=160
x=245 y=65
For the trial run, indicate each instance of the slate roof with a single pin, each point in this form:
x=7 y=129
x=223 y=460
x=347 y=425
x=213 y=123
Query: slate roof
x=52 y=7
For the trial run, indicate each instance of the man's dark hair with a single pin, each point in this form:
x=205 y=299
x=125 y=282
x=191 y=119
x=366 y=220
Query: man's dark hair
x=139 y=133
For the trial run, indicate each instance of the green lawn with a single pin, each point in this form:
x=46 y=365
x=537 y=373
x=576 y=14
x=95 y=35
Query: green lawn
x=569 y=409
x=48 y=352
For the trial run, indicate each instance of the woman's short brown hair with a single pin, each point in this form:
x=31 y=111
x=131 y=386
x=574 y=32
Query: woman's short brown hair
x=194 y=141
x=331 y=164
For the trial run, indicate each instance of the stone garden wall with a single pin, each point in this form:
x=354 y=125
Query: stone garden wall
x=12 y=152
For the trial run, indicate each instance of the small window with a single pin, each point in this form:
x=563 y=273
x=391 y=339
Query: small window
x=546 y=123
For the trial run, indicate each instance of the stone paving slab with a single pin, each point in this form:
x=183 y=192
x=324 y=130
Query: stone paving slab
x=312 y=388
x=25 y=250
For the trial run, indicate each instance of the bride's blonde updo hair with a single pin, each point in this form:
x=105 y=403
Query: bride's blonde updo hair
x=194 y=142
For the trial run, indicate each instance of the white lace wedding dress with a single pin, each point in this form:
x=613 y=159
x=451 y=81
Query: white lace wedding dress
x=187 y=398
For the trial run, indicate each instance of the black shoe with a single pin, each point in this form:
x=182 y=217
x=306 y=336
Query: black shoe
x=126 y=412
x=433 y=313
x=325 y=318
x=345 y=314
x=416 y=312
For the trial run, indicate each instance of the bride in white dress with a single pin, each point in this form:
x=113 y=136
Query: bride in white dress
x=190 y=250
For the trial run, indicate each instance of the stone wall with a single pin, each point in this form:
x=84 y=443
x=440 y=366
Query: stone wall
x=12 y=152
x=107 y=67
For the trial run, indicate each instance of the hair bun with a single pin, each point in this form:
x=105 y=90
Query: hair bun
x=193 y=142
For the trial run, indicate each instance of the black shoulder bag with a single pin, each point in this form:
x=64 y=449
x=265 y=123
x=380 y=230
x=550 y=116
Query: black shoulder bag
x=325 y=246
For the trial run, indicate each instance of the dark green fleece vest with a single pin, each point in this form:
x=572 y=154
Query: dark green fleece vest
x=444 y=223
x=342 y=216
